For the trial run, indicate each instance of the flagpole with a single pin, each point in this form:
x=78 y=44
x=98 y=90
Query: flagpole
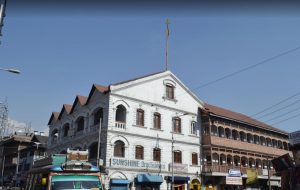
x=167 y=40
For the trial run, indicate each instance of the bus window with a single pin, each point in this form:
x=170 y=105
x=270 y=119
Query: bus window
x=60 y=182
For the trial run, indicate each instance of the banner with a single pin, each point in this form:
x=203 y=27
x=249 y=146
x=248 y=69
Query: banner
x=251 y=176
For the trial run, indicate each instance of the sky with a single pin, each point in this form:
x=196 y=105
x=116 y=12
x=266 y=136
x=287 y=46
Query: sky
x=242 y=57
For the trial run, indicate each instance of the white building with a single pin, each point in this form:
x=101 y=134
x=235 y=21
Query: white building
x=139 y=118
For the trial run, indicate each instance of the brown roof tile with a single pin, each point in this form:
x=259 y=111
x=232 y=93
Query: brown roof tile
x=240 y=117
x=81 y=99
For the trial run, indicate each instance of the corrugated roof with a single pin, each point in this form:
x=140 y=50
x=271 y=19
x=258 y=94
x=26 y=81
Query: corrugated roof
x=240 y=117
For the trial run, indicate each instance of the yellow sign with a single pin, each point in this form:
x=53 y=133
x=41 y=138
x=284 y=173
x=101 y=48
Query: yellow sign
x=251 y=176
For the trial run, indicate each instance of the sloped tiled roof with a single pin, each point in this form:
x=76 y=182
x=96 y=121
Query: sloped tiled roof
x=240 y=117
x=67 y=108
x=100 y=88
x=55 y=116
x=81 y=99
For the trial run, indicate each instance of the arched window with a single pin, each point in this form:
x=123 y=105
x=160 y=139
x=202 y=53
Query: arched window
x=269 y=142
x=93 y=150
x=215 y=159
x=242 y=136
x=170 y=91
x=236 y=160
x=221 y=131
x=262 y=140
x=55 y=136
x=66 y=129
x=140 y=117
x=194 y=158
x=156 y=120
x=139 y=152
x=156 y=154
x=80 y=124
x=176 y=125
x=229 y=160
x=121 y=114
x=97 y=115
x=235 y=135
x=214 y=130
x=119 y=149
x=227 y=133
x=256 y=139
x=177 y=157
x=222 y=159
x=274 y=143
x=249 y=138
x=244 y=162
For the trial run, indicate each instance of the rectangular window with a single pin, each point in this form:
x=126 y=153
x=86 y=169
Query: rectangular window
x=139 y=152
x=170 y=91
x=193 y=128
x=177 y=157
x=156 y=154
x=194 y=159
x=156 y=121
x=176 y=125
x=140 y=117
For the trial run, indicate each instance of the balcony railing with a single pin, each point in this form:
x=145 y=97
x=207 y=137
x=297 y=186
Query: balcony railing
x=225 y=169
x=120 y=125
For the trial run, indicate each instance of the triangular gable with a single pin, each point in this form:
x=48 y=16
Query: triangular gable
x=99 y=88
x=55 y=116
x=67 y=108
x=122 y=85
x=81 y=99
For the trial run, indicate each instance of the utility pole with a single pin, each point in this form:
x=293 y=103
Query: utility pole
x=172 y=183
x=2 y=14
x=269 y=181
x=98 y=147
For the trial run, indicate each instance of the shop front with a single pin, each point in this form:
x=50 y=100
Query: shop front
x=119 y=184
x=180 y=182
x=148 y=182
x=195 y=184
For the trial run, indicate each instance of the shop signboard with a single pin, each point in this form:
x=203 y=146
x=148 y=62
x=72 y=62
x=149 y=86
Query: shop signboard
x=234 y=180
x=265 y=172
x=234 y=173
x=178 y=167
x=294 y=137
x=127 y=163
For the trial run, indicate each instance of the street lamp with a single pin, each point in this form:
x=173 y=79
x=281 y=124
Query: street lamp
x=173 y=124
x=11 y=70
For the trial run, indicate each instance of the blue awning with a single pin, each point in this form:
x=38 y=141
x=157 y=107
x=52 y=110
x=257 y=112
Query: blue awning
x=146 y=178
x=177 y=179
x=119 y=181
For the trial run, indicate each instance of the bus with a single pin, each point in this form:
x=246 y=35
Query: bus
x=64 y=172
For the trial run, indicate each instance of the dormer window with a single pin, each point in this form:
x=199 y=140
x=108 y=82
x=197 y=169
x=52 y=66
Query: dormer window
x=170 y=91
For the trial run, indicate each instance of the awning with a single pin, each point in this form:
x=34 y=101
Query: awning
x=177 y=179
x=146 y=178
x=120 y=181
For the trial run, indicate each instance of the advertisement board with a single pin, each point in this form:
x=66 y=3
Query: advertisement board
x=234 y=180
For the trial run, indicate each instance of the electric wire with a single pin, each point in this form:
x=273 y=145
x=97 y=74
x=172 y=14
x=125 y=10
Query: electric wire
x=282 y=108
x=273 y=118
x=289 y=118
x=248 y=67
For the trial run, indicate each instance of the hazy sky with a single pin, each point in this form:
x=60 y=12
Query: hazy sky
x=63 y=48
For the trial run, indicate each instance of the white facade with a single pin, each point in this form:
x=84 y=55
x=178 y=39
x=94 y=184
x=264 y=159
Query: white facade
x=149 y=95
